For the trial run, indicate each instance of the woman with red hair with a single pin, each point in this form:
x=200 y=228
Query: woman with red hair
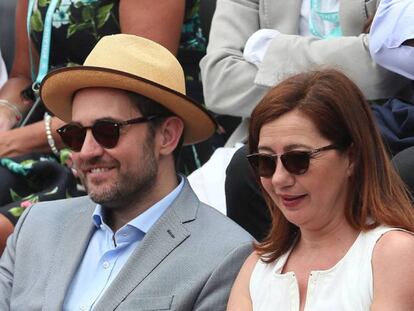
x=341 y=216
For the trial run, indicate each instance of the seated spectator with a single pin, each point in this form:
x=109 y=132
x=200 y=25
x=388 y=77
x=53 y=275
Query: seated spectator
x=392 y=46
x=75 y=28
x=254 y=45
x=141 y=239
x=392 y=36
x=342 y=222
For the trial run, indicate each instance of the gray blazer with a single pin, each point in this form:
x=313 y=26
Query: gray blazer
x=234 y=86
x=187 y=261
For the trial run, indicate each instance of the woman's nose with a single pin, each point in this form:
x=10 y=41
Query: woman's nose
x=281 y=177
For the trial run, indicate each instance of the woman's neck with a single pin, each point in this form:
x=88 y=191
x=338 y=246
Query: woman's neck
x=320 y=250
x=328 y=235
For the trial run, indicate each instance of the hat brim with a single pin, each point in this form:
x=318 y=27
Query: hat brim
x=59 y=86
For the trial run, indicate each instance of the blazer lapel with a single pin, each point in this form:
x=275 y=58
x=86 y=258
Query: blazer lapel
x=166 y=235
x=74 y=237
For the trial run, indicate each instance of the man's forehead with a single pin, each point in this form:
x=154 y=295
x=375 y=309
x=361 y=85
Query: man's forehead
x=102 y=103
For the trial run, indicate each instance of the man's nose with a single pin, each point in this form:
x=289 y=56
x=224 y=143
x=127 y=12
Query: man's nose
x=90 y=148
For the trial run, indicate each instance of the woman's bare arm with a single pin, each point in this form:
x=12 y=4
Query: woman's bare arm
x=19 y=77
x=159 y=20
x=393 y=272
x=240 y=299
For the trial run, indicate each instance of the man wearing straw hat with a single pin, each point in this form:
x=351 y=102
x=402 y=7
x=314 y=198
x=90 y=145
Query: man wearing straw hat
x=141 y=240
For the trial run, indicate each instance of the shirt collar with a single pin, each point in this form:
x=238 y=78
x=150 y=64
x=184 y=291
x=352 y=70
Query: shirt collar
x=147 y=219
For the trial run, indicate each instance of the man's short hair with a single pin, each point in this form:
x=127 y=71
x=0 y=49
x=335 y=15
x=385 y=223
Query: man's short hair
x=149 y=107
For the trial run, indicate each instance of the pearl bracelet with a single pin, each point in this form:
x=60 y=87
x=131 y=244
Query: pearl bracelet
x=17 y=113
x=50 y=140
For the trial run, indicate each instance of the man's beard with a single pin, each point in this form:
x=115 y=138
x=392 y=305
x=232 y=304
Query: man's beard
x=130 y=187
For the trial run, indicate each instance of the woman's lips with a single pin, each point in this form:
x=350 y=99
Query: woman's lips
x=291 y=201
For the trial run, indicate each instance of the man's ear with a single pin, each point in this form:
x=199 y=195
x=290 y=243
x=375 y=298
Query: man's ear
x=169 y=134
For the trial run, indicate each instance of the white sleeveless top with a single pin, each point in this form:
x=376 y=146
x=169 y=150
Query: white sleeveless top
x=347 y=286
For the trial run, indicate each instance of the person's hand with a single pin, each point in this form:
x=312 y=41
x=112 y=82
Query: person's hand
x=12 y=144
x=7 y=118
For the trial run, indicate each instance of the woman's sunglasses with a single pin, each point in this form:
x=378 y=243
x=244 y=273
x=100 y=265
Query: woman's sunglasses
x=295 y=162
x=105 y=132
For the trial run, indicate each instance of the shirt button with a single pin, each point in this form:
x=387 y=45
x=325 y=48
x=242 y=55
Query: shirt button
x=106 y=265
x=83 y=308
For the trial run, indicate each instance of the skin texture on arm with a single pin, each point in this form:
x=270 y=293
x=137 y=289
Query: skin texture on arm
x=19 y=77
x=157 y=20
x=234 y=86
x=240 y=299
x=393 y=272
x=30 y=138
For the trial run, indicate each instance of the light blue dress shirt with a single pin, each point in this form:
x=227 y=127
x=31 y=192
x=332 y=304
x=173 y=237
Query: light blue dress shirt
x=393 y=24
x=107 y=253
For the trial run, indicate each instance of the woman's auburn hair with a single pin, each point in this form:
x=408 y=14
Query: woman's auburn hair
x=339 y=110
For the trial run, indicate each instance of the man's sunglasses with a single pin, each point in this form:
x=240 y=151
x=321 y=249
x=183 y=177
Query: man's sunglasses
x=105 y=132
x=295 y=162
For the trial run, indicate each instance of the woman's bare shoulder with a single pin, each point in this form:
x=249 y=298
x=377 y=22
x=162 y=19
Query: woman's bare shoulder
x=251 y=261
x=393 y=271
x=394 y=243
x=240 y=299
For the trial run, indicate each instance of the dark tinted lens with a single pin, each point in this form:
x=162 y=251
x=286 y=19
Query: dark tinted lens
x=264 y=165
x=106 y=133
x=296 y=162
x=73 y=136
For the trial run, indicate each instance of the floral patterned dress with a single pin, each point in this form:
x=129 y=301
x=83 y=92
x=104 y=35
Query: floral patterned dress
x=77 y=25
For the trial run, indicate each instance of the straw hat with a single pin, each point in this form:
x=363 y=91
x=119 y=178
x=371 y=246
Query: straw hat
x=135 y=64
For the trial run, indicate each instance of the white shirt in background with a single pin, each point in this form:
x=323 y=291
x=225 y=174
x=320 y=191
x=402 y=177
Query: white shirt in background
x=393 y=24
x=3 y=71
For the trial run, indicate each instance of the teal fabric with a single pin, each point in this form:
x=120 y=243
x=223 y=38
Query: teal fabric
x=318 y=17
